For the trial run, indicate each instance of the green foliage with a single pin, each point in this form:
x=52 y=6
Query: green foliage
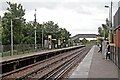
x=14 y=11
x=16 y=52
x=100 y=31
x=39 y=29
x=23 y=32
x=28 y=32
x=93 y=41
x=104 y=30
x=50 y=28
x=77 y=40
x=85 y=41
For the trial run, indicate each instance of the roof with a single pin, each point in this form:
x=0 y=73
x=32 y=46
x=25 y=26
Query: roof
x=117 y=28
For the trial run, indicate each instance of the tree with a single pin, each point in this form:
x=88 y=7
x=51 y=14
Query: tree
x=39 y=29
x=14 y=11
x=28 y=32
x=51 y=29
x=104 y=30
x=77 y=40
x=85 y=41
x=23 y=32
x=64 y=35
x=100 y=31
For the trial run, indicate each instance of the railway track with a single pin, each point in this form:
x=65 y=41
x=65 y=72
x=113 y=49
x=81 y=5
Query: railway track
x=54 y=67
x=63 y=71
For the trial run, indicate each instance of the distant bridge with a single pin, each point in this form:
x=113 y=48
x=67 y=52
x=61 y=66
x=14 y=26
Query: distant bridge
x=83 y=36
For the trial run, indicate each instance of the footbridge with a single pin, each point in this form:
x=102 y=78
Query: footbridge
x=84 y=36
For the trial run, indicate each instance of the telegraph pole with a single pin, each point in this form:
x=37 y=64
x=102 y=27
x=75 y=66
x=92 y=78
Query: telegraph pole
x=111 y=28
x=110 y=21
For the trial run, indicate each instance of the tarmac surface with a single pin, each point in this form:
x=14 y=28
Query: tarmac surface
x=95 y=67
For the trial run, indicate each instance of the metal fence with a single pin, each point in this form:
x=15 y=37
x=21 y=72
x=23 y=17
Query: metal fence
x=115 y=55
x=19 y=49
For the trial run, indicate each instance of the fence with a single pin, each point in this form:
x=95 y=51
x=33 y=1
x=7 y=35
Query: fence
x=26 y=48
x=19 y=49
x=115 y=55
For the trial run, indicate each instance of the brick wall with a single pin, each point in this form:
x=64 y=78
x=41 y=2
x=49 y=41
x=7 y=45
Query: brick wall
x=117 y=37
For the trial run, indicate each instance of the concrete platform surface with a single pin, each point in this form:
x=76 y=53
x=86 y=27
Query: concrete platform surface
x=94 y=66
x=82 y=69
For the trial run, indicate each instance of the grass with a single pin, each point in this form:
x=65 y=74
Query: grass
x=15 y=52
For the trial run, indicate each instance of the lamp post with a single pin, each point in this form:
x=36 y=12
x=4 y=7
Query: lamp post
x=1 y=32
x=42 y=36
x=12 y=36
x=35 y=28
x=110 y=21
x=0 y=20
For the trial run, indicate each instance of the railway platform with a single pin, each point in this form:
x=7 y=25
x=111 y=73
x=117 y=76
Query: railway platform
x=15 y=57
x=95 y=67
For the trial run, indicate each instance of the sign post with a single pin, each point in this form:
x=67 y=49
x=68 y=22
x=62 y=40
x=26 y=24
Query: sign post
x=49 y=41
x=59 y=43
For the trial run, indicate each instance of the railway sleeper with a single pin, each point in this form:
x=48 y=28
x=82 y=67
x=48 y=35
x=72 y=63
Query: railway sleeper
x=48 y=60
x=65 y=68
x=66 y=63
x=37 y=71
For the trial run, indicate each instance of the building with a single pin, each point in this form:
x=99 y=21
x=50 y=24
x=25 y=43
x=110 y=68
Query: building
x=117 y=37
x=117 y=27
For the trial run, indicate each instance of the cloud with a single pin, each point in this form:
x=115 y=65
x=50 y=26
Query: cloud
x=3 y=6
x=36 y=5
x=77 y=16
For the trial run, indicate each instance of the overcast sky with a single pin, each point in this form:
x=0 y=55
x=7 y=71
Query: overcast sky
x=77 y=16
